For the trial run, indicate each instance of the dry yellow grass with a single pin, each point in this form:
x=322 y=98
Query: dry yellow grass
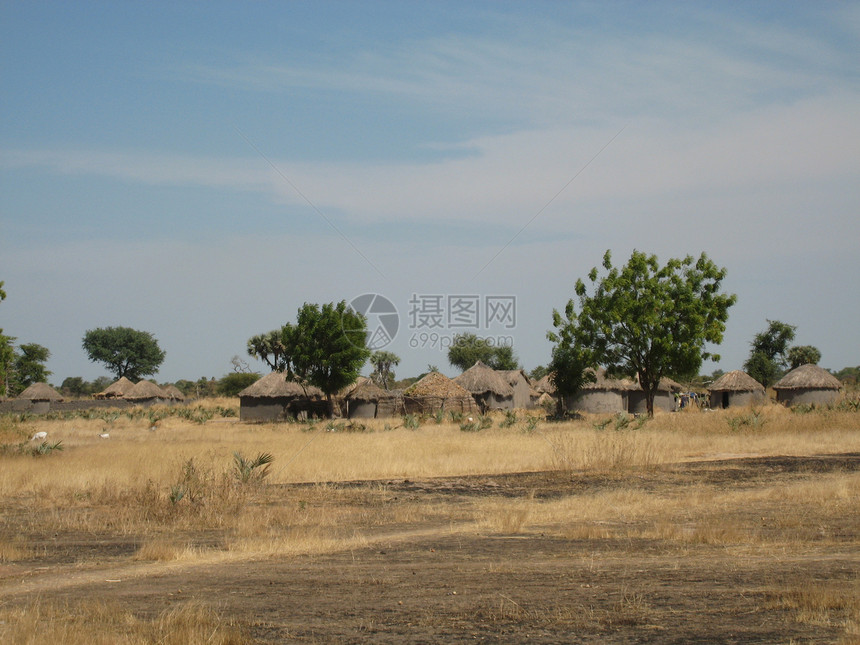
x=129 y=484
x=93 y=623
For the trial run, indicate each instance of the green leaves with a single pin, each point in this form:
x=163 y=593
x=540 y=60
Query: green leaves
x=644 y=320
x=124 y=351
x=255 y=470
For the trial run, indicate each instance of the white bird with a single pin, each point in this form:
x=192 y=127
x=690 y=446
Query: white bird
x=39 y=436
x=104 y=435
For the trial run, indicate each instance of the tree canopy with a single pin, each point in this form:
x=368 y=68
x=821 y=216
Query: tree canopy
x=383 y=368
x=271 y=348
x=648 y=321
x=30 y=367
x=326 y=347
x=570 y=357
x=467 y=349
x=802 y=355
x=124 y=351
x=768 y=357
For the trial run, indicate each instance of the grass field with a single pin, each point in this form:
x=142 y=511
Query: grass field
x=711 y=526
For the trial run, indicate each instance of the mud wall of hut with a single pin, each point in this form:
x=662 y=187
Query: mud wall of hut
x=807 y=396
x=42 y=407
x=598 y=401
x=720 y=400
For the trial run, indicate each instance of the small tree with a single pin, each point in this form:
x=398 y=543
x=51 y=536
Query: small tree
x=7 y=354
x=383 y=363
x=233 y=383
x=538 y=372
x=768 y=357
x=467 y=349
x=327 y=347
x=803 y=355
x=271 y=348
x=649 y=321
x=29 y=365
x=570 y=356
x=124 y=351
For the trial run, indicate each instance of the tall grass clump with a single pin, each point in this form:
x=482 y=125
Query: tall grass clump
x=108 y=623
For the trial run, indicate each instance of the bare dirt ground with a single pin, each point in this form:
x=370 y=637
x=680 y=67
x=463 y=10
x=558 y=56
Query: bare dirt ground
x=452 y=581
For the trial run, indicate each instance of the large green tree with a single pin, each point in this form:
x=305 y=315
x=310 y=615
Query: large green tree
x=29 y=365
x=650 y=321
x=467 y=349
x=768 y=357
x=124 y=351
x=570 y=356
x=327 y=347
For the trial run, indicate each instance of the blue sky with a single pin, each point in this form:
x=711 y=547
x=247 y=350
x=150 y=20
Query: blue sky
x=199 y=170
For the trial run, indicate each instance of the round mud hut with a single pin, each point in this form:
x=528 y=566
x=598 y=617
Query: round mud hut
x=274 y=398
x=525 y=396
x=735 y=388
x=369 y=401
x=437 y=392
x=39 y=396
x=116 y=390
x=489 y=388
x=807 y=384
x=174 y=394
x=145 y=393
x=664 y=398
x=603 y=394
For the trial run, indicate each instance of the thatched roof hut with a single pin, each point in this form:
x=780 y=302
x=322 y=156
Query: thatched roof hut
x=40 y=397
x=368 y=401
x=603 y=394
x=173 y=393
x=490 y=389
x=545 y=385
x=807 y=384
x=344 y=391
x=274 y=398
x=115 y=390
x=664 y=399
x=525 y=396
x=735 y=388
x=40 y=392
x=437 y=392
x=146 y=393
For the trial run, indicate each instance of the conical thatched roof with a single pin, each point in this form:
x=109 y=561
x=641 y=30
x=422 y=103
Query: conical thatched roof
x=173 y=392
x=145 y=390
x=40 y=392
x=604 y=382
x=736 y=381
x=116 y=390
x=480 y=379
x=344 y=391
x=808 y=377
x=438 y=385
x=545 y=385
x=513 y=376
x=367 y=390
x=275 y=386
x=665 y=385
